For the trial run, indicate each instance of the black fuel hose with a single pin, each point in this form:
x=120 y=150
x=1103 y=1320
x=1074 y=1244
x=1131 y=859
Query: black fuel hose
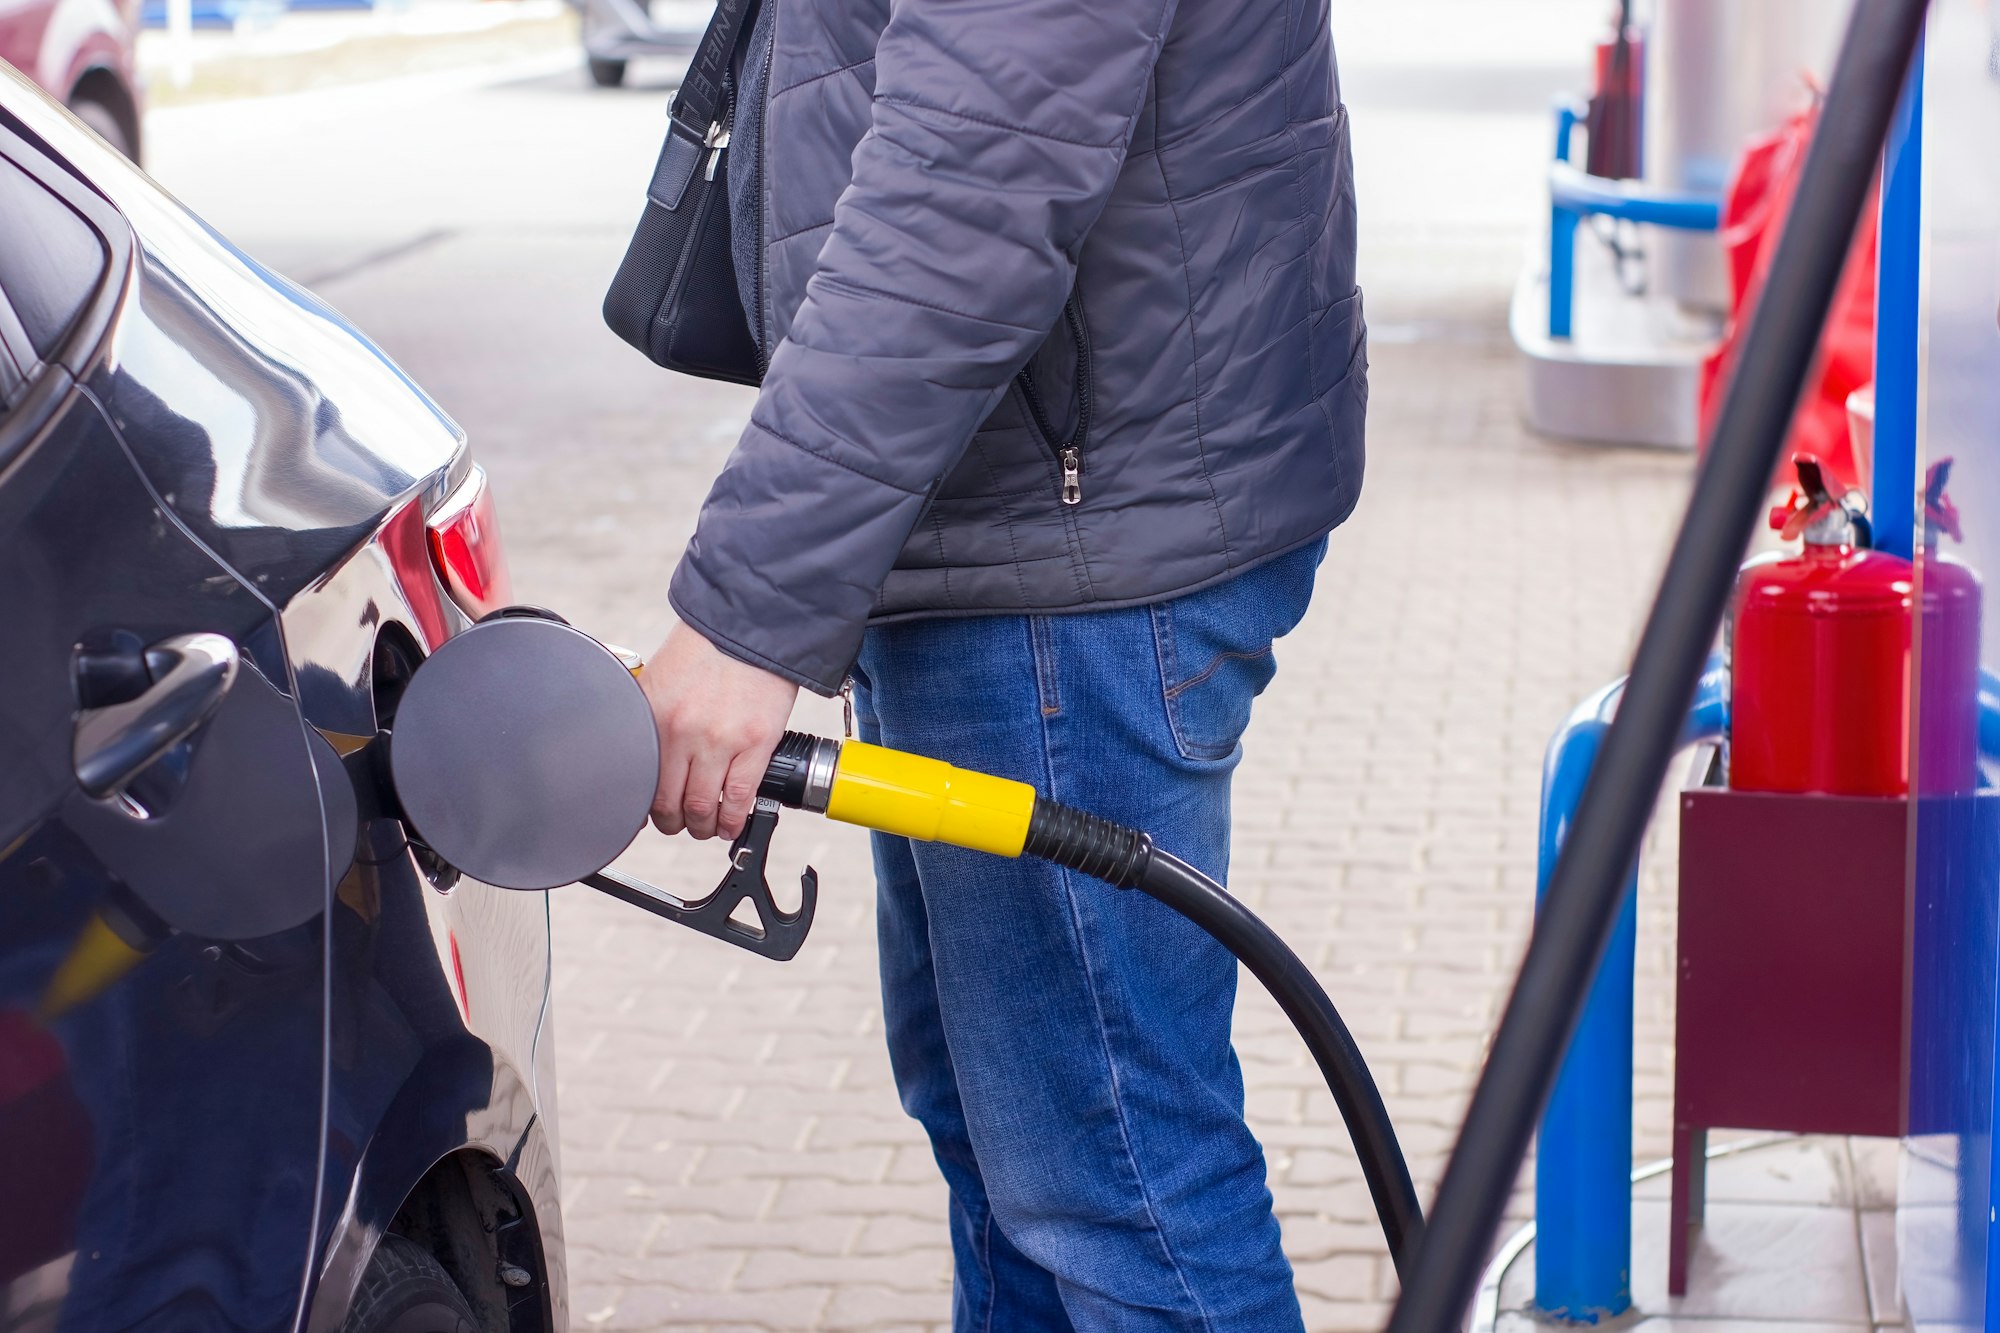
x=1239 y=930
x=1587 y=885
x=1127 y=858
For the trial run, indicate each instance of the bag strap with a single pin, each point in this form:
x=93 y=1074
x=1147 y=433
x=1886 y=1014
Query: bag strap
x=700 y=95
x=697 y=104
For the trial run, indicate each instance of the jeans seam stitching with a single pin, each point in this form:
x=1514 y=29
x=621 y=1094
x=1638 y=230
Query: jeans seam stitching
x=1041 y=644
x=1167 y=656
x=1214 y=666
x=1111 y=1070
x=986 y=1262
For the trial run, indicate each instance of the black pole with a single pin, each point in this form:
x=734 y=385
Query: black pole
x=1583 y=896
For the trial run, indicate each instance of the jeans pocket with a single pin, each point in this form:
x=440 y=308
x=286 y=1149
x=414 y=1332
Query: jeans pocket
x=1215 y=650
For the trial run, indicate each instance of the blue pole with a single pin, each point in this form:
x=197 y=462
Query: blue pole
x=1898 y=297
x=1583 y=1156
x=1562 y=233
x=1562 y=270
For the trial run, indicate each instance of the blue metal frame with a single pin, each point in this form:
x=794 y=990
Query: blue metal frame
x=1583 y=1191
x=1574 y=193
x=1583 y=1169
x=1898 y=301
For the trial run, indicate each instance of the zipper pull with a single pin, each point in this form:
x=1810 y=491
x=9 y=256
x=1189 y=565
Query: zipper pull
x=1072 y=483
x=716 y=143
x=847 y=707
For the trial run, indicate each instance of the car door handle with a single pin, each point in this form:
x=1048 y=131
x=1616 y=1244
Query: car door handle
x=191 y=675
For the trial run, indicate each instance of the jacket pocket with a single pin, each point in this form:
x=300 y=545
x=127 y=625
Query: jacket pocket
x=1056 y=389
x=1215 y=650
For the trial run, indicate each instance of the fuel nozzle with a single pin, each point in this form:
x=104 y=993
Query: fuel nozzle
x=524 y=754
x=1813 y=513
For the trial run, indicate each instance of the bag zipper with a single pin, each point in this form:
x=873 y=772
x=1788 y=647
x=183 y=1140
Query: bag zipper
x=1069 y=455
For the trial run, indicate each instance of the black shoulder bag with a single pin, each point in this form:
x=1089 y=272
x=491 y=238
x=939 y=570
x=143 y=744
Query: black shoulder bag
x=674 y=297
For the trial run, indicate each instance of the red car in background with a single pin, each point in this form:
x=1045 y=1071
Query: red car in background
x=82 y=51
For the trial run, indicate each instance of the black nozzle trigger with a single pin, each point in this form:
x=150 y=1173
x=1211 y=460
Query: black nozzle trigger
x=778 y=934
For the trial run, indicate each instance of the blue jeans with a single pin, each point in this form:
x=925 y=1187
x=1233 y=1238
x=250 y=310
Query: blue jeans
x=1066 y=1044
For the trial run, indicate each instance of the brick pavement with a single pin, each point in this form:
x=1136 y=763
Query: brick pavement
x=734 y=1153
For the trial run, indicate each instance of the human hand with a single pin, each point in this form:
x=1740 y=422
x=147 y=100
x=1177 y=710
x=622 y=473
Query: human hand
x=719 y=721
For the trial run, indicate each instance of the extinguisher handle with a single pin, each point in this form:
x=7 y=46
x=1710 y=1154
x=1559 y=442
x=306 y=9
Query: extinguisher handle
x=1812 y=479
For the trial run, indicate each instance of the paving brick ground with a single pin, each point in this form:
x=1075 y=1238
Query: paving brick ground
x=735 y=1155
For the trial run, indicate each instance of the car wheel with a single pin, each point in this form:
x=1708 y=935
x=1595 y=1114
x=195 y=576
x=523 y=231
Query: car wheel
x=406 y=1290
x=104 y=120
x=606 y=73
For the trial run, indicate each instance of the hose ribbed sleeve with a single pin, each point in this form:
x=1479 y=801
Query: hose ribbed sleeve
x=1096 y=847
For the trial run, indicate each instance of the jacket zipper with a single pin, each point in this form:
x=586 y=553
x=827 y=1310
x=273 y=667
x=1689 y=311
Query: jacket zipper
x=718 y=143
x=1069 y=455
x=763 y=174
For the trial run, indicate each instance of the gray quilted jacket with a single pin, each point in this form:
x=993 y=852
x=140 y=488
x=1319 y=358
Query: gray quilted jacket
x=1058 y=300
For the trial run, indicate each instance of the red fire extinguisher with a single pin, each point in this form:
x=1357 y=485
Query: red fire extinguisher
x=1820 y=655
x=1947 y=652
x=1614 y=117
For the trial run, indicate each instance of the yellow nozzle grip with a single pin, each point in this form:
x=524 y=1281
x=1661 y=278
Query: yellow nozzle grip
x=929 y=800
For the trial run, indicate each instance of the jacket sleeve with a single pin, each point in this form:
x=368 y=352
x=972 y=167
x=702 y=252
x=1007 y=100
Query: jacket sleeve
x=998 y=130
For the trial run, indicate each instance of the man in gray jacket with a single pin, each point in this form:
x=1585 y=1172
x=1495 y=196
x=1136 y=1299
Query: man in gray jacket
x=1066 y=386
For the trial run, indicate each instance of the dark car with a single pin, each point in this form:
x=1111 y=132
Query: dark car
x=81 y=51
x=265 y=1063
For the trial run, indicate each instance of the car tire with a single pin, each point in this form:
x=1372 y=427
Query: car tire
x=104 y=120
x=406 y=1290
x=605 y=73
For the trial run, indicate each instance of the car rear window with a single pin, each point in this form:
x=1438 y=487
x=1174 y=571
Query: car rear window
x=51 y=262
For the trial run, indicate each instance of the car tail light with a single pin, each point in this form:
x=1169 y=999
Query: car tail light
x=465 y=548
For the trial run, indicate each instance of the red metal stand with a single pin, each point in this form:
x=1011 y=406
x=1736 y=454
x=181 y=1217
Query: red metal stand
x=1790 y=999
